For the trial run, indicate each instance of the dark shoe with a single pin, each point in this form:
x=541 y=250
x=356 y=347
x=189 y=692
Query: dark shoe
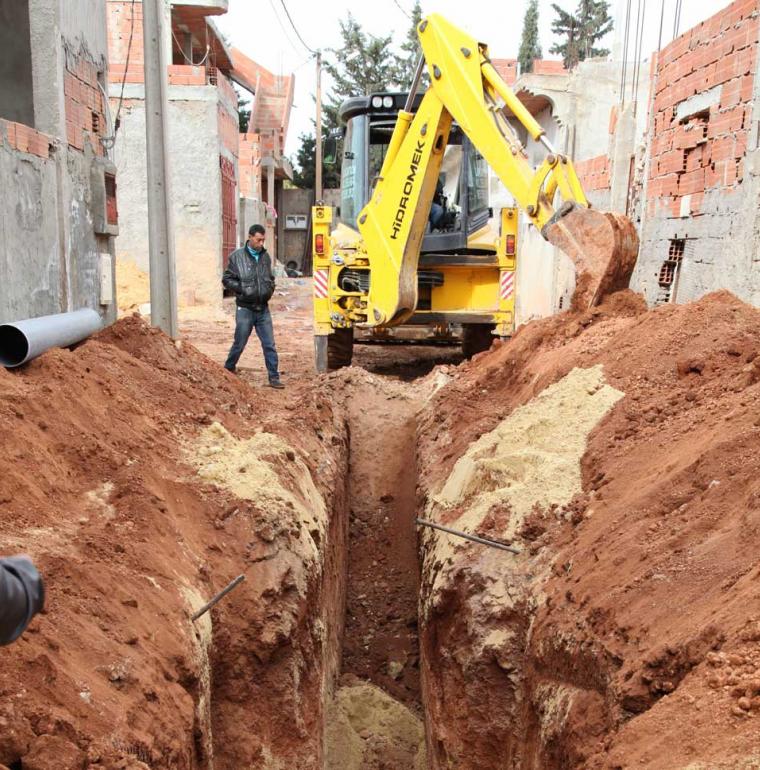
x=276 y=384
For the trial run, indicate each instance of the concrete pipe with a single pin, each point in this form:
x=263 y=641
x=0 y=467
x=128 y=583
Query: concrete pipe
x=24 y=340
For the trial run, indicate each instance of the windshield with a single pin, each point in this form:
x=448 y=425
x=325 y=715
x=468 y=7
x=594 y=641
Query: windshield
x=353 y=175
x=477 y=182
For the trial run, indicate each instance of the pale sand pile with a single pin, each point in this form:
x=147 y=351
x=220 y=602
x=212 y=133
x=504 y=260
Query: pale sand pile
x=267 y=471
x=368 y=730
x=132 y=287
x=532 y=458
x=133 y=296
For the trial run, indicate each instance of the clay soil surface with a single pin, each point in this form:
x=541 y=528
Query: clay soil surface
x=628 y=629
x=100 y=483
x=142 y=477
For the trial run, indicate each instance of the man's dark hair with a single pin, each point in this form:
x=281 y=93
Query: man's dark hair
x=257 y=229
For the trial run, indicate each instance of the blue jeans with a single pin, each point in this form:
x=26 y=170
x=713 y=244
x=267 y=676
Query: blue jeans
x=245 y=322
x=436 y=215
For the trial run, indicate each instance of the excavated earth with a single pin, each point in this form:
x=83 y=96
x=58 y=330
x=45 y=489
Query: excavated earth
x=615 y=449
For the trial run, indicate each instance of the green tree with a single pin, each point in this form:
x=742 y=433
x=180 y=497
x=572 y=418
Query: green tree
x=363 y=64
x=595 y=23
x=565 y=26
x=580 y=31
x=244 y=114
x=530 y=47
x=406 y=62
x=304 y=167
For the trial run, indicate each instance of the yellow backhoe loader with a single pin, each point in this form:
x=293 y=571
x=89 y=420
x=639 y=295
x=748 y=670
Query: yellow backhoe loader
x=381 y=274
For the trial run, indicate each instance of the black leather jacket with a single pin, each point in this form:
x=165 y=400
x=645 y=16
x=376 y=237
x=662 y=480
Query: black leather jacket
x=22 y=595
x=251 y=280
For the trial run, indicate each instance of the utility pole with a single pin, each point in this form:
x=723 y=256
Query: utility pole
x=318 y=147
x=163 y=276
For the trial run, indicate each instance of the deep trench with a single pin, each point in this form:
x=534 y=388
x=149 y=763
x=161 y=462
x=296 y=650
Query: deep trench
x=380 y=637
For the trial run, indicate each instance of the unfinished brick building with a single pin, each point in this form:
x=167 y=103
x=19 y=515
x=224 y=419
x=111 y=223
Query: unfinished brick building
x=701 y=223
x=203 y=129
x=676 y=149
x=58 y=208
x=263 y=165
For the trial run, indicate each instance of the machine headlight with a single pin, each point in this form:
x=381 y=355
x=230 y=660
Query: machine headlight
x=377 y=102
x=388 y=102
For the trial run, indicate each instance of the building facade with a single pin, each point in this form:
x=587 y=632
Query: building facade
x=203 y=131
x=58 y=208
x=701 y=223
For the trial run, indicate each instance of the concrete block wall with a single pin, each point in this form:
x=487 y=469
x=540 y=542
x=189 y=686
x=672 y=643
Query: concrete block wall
x=54 y=210
x=203 y=131
x=195 y=183
x=700 y=215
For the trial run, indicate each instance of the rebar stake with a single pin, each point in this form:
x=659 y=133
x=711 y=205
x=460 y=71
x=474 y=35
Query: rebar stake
x=206 y=607
x=474 y=538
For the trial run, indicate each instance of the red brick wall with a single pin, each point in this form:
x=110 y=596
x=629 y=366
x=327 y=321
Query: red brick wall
x=186 y=75
x=249 y=165
x=507 y=69
x=229 y=129
x=119 y=21
x=594 y=173
x=226 y=90
x=548 y=67
x=25 y=139
x=706 y=151
x=85 y=108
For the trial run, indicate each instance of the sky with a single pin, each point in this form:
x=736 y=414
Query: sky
x=261 y=30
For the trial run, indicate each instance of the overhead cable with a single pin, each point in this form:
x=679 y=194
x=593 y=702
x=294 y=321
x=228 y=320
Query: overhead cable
x=295 y=29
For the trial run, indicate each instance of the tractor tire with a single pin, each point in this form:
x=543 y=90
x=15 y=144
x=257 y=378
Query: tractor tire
x=334 y=351
x=476 y=338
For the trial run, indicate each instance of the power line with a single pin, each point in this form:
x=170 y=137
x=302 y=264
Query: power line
x=298 y=34
x=296 y=50
x=624 y=68
x=126 y=67
x=637 y=73
x=398 y=5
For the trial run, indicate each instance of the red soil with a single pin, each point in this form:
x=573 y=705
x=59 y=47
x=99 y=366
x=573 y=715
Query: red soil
x=651 y=612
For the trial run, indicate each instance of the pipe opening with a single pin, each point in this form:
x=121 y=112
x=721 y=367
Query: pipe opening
x=14 y=346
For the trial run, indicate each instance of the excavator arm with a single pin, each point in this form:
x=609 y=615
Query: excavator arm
x=466 y=88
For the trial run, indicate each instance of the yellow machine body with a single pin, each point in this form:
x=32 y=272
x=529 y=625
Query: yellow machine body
x=477 y=287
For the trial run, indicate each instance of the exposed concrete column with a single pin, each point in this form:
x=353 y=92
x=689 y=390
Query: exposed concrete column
x=622 y=150
x=271 y=226
x=187 y=46
x=48 y=67
x=163 y=277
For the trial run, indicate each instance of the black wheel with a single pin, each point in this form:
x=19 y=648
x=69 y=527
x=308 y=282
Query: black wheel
x=334 y=351
x=476 y=338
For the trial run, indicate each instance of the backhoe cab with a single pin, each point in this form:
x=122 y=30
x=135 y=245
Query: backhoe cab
x=390 y=261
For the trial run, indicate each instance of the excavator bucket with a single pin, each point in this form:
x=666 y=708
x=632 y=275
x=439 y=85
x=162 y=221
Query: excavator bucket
x=602 y=245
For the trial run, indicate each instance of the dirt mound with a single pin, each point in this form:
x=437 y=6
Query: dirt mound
x=625 y=633
x=369 y=730
x=98 y=483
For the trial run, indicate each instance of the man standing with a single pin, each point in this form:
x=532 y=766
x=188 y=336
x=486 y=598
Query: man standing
x=249 y=274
